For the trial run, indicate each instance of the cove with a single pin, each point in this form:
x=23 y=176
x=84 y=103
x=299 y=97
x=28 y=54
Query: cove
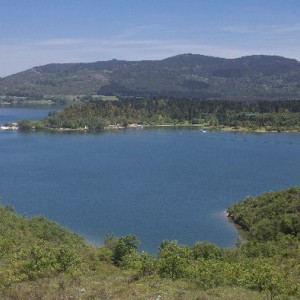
x=158 y=184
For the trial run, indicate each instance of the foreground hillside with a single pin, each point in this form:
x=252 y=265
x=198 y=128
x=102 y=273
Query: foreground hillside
x=256 y=77
x=40 y=260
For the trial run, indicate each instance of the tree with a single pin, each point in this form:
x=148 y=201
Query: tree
x=121 y=247
x=173 y=259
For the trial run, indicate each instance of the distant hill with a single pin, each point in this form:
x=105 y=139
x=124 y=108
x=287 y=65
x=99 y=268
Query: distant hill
x=257 y=77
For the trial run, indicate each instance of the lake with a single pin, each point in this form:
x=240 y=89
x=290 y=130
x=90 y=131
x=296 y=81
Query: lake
x=157 y=183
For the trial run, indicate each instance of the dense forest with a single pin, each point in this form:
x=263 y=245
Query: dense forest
x=231 y=115
x=250 y=78
x=40 y=260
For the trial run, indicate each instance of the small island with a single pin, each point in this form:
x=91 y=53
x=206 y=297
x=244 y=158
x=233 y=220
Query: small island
x=41 y=260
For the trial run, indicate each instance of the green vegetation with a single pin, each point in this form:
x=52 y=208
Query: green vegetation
x=40 y=260
x=39 y=99
x=251 y=116
x=269 y=216
x=250 y=78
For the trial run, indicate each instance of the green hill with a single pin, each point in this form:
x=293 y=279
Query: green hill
x=256 y=77
x=41 y=260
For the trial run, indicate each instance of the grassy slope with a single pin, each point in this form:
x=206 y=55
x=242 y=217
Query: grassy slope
x=41 y=260
x=90 y=279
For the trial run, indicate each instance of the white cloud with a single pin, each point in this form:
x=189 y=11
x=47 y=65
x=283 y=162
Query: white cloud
x=136 y=30
x=271 y=29
x=238 y=29
x=58 y=42
x=286 y=29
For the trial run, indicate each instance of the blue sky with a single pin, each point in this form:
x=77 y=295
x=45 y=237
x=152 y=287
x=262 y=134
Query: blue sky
x=37 y=32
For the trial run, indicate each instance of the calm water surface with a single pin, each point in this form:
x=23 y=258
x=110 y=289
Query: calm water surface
x=10 y=114
x=155 y=183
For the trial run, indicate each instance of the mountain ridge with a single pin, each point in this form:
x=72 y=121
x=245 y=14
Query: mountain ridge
x=255 y=77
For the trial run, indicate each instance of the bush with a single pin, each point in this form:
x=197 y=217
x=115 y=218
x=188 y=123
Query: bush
x=173 y=259
x=206 y=250
x=121 y=247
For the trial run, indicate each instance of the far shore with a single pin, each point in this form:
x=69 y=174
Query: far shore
x=224 y=128
x=203 y=127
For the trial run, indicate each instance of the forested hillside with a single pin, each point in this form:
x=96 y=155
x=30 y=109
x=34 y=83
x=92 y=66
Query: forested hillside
x=256 y=77
x=231 y=115
x=40 y=260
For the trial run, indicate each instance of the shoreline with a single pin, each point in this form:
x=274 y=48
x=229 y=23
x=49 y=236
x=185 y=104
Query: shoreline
x=208 y=128
x=202 y=127
x=114 y=128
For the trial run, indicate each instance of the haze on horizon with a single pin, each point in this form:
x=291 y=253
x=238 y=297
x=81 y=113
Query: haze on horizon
x=59 y=31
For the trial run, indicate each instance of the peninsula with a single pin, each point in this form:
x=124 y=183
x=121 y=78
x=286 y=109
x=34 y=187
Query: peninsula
x=261 y=116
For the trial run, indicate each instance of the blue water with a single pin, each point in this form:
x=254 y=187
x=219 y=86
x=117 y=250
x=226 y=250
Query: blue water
x=156 y=183
x=11 y=114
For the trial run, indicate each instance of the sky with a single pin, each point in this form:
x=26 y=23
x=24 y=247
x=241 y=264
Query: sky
x=38 y=32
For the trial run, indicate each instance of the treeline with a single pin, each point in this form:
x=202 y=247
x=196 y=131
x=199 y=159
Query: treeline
x=40 y=260
x=267 y=115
